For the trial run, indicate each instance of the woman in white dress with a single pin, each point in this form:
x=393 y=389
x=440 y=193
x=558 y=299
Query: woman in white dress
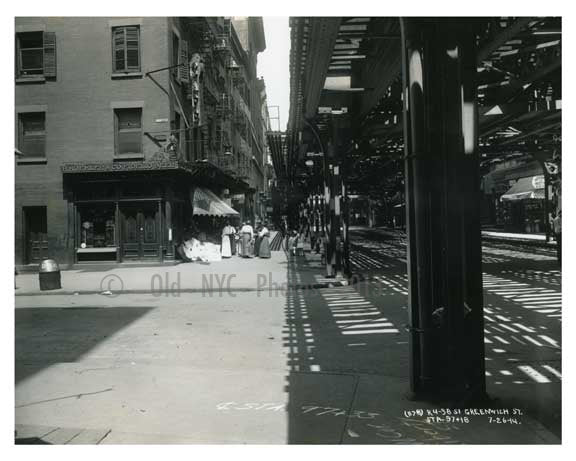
x=226 y=240
x=247 y=234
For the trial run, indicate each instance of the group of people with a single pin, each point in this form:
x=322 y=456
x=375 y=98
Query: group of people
x=246 y=242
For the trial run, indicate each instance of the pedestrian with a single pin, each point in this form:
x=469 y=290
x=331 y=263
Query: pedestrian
x=257 y=240
x=293 y=242
x=246 y=235
x=300 y=245
x=317 y=241
x=227 y=235
x=264 y=249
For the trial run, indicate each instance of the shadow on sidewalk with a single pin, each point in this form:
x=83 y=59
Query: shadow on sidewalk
x=338 y=339
x=49 y=335
x=348 y=360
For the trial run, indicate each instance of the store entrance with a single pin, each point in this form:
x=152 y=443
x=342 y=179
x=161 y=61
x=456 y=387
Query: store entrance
x=140 y=232
x=36 y=234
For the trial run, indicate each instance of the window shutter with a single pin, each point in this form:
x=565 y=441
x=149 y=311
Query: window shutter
x=119 y=62
x=133 y=48
x=17 y=56
x=183 y=71
x=49 y=54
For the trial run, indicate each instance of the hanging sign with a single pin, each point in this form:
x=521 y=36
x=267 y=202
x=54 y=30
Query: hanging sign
x=538 y=182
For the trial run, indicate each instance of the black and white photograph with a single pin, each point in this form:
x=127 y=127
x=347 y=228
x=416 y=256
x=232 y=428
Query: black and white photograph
x=285 y=229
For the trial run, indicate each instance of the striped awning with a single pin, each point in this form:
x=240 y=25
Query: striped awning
x=207 y=203
x=531 y=187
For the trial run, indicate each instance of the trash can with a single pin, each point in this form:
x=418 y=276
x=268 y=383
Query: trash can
x=49 y=275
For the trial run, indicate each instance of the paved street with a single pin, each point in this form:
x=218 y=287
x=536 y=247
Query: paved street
x=303 y=366
x=522 y=299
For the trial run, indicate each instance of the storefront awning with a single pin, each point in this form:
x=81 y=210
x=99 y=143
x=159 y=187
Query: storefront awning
x=531 y=187
x=207 y=203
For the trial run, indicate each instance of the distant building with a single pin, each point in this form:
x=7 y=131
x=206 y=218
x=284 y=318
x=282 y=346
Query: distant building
x=514 y=196
x=116 y=130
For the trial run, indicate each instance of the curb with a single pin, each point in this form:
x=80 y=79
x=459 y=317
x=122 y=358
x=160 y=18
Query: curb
x=534 y=243
x=159 y=293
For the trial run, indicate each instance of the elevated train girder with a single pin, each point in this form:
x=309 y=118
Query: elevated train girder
x=416 y=104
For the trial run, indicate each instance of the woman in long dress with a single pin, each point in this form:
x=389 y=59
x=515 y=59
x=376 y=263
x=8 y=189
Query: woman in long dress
x=247 y=234
x=293 y=242
x=226 y=246
x=264 y=249
x=257 y=240
x=233 y=244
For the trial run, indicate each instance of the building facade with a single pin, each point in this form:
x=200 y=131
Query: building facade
x=515 y=198
x=114 y=126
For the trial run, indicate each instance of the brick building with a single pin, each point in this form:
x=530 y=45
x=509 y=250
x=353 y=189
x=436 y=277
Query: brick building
x=114 y=137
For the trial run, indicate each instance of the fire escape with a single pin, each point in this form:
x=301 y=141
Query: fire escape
x=225 y=129
x=210 y=36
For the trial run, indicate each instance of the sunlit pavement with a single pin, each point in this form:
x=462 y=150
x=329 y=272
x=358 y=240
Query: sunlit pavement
x=305 y=366
x=523 y=313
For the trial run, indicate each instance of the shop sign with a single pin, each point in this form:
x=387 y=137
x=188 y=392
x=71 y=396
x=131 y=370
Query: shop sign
x=240 y=198
x=538 y=182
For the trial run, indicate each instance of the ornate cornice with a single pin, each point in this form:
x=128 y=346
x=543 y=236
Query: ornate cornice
x=202 y=170
x=105 y=167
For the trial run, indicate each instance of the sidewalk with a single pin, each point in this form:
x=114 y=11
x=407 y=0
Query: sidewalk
x=313 y=366
x=234 y=274
x=533 y=239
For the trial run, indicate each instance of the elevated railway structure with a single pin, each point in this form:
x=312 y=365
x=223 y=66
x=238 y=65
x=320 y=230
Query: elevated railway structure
x=413 y=110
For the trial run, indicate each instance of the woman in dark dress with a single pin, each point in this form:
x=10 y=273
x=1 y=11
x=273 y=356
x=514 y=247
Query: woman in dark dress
x=264 y=249
x=257 y=240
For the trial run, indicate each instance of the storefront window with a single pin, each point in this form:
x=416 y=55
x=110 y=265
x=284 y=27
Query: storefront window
x=97 y=227
x=534 y=220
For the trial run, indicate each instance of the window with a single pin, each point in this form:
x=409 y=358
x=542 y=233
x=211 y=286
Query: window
x=126 y=49
x=177 y=126
x=175 y=53
x=128 y=131
x=196 y=144
x=35 y=54
x=180 y=58
x=97 y=226
x=32 y=134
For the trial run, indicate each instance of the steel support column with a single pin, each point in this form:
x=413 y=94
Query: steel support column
x=335 y=190
x=442 y=203
x=329 y=255
x=546 y=210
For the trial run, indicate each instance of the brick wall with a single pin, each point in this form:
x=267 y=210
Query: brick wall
x=79 y=110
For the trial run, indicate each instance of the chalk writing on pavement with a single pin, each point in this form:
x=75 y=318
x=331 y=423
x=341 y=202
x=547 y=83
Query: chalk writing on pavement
x=430 y=425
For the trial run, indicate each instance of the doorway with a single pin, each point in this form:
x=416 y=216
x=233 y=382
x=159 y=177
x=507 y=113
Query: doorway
x=140 y=232
x=35 y=234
